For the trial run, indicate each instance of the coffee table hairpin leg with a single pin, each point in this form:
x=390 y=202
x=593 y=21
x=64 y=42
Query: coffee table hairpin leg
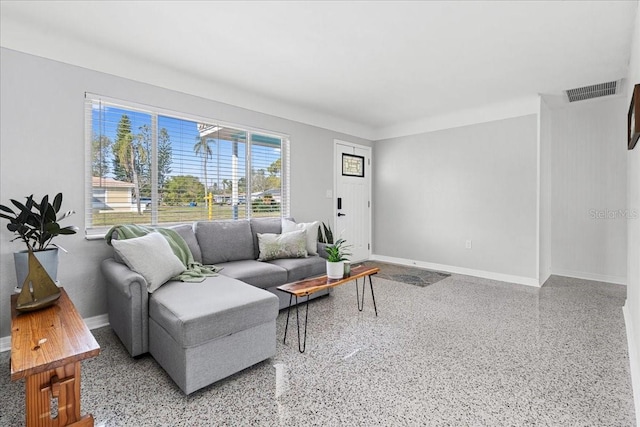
x=303 y=347
x=359 y=300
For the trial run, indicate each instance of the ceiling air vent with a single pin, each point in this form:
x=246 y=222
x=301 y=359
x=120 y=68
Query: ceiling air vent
x=593 y=91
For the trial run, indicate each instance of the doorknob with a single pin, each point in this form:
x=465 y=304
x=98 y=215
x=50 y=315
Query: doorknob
x=341 y=214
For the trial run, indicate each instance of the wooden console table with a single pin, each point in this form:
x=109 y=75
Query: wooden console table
x=307 y=287
x=46 y=349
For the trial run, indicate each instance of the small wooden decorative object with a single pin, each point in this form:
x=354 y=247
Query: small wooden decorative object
x=634 y=118
x=38 y=290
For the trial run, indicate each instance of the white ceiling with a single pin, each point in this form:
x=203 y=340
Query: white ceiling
x=359 y=67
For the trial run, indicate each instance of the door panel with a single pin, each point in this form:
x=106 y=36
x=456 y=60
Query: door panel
x=353 y=192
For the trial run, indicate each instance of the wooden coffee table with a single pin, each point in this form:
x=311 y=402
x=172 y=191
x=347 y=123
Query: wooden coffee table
x=307 y=287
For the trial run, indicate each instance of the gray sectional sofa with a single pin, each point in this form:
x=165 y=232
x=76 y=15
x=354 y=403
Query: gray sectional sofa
x=203 y=332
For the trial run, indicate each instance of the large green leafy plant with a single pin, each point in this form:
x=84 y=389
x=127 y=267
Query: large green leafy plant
x=338 y=251
x=36 y=224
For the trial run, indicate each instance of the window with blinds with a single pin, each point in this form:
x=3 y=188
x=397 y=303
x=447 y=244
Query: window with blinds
x=153 y=167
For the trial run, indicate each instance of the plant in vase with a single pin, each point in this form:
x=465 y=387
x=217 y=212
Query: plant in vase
x=325 y=238
x=36 y=224
x=336 y=255
x=325 y=235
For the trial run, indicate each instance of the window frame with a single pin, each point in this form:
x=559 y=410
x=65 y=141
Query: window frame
x=96 y=232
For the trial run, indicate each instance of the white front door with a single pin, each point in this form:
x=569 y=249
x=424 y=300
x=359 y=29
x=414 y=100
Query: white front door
x=352 y=201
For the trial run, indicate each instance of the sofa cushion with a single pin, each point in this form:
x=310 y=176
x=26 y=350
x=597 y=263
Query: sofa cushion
x=194 y=313
x=156 y=269
x=311 y=229
x=262 y=226
x=223 y=241
x=256 y=273
x=301 y=268
x=186 y=232
x=285 y=245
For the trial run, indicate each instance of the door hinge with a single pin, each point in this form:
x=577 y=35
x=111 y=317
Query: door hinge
x=368 y=246
x=369 y=204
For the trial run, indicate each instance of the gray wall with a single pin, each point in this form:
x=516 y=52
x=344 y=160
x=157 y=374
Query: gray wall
x=42 y=150
x=589 y=181
x=435 y=190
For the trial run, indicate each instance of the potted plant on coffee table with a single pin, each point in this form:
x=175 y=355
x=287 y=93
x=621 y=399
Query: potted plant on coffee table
x=336 y=255
x=36 y=224
x=325 y=238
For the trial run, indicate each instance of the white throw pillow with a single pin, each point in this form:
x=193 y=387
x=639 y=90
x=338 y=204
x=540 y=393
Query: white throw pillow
x=312 y=233
x=285 y=245
x=152 y=257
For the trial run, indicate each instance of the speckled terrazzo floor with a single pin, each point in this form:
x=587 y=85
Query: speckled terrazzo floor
x=461 y=352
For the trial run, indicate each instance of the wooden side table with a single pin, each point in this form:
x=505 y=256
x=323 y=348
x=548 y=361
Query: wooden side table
x=46 y=349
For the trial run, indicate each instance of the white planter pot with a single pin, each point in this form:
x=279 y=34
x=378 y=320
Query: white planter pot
x=335 y=270
x=48 y=258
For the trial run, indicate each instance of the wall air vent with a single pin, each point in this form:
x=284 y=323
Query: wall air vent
x=593 y=91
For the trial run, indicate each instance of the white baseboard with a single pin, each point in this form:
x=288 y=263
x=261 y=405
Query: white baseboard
x=529 y=281
x=634 y=359
x=544 y=277
x=618 y=280
x=94 y=322
x=5 y=344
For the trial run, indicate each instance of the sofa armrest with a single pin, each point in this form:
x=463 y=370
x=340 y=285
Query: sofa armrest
x=128 y=306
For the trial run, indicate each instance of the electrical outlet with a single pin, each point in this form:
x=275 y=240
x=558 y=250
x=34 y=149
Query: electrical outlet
x=467 y=244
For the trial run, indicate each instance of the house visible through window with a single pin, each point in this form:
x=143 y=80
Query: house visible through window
x=153 y=167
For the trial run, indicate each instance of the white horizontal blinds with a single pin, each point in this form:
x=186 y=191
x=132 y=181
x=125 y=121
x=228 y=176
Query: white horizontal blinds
x=181 y=189
x=230 y=180
x=207 y=176
x=119 y=164
x=286 y=176
x=149 y=167
x=266 y=175
x=89 y=159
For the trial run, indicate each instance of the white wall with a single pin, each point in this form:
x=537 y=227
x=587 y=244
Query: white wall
x=42 y=151
x=632 y=307
x=544 y=196
x=588 y=175
x=434 y=191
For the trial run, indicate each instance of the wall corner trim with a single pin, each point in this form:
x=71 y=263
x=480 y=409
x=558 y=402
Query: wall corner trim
x=520 y=280
x=634 y=359
x=543 y=279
